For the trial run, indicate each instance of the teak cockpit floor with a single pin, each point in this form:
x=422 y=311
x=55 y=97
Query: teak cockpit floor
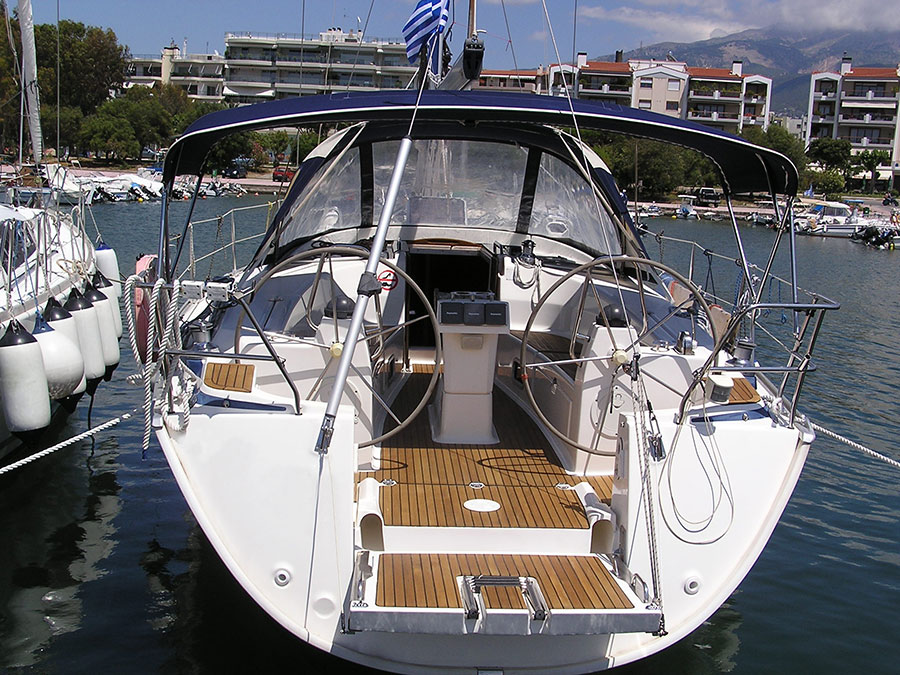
x=426 y=483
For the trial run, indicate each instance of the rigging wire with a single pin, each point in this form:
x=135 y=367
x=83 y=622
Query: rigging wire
x=360 y=37
x=509 y=40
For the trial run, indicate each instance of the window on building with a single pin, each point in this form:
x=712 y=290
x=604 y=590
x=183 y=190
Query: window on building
x=644 y=104
x=646 y=82
x=857 y=134
x=863 y=88
x=671 y=105
x=674 y=85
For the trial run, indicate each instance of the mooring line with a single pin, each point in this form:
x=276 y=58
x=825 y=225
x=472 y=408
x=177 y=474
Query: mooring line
x=856 y=446
x=70 y=441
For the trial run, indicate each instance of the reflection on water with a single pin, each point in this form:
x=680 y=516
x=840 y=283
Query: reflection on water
x=102 y=566
x=57 y=523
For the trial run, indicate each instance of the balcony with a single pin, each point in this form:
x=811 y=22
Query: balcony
x=824 y=95
x=880 y=143
x=308 y=57
x=869 y=118
x=247 y=81
x=887 y=97
x=608 y=89
x=248 y=61
x=712 y=116
x=715 y=94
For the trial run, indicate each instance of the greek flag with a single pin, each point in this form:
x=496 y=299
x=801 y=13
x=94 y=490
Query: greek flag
x=429 y=17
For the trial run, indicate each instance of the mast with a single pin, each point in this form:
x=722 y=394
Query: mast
x=32 y=104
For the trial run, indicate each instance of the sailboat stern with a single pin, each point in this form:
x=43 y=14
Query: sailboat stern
x=277 y=512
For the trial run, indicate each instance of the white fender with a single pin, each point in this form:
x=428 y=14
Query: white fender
x=63 y=322
x=23 y=384
x=88 y=326
x=108 y=263
x=63 y=365
x=102 y=284
x=109 y=341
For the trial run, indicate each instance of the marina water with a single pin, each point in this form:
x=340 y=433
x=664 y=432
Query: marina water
x=102 y=565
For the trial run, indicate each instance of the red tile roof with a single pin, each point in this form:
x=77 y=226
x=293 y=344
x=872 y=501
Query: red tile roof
x=718 y=73
x=607 y=67
x=873 y=72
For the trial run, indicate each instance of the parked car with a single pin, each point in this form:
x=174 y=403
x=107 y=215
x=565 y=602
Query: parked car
x=707 y=196
x=235 y=171
x=282 y=173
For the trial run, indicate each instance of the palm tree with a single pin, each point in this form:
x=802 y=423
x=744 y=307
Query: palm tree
x=870 y=160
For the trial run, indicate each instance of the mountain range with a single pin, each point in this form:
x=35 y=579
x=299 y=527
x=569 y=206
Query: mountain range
x=788 y=57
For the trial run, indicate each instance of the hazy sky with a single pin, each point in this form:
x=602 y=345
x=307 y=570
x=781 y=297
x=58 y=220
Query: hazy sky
x=602 y=26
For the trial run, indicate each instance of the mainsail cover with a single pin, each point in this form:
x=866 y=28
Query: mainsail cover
x=29 y=80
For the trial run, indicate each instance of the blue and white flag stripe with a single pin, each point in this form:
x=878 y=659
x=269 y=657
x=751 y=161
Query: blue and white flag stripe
x=429 y=17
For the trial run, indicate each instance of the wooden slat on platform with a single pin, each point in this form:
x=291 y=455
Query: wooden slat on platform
x=432 y=480
x=743 y=391
x=429 y=580
x=229 y=376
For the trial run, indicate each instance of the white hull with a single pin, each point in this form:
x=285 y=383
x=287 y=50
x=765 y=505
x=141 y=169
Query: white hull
x=60 y=258
x=230 y=496
x=509 y=452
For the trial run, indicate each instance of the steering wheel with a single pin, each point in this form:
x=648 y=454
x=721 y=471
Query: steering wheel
x=588 y=271
x=377 y=337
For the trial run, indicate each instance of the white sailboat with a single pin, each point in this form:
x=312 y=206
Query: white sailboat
x=451 y=416
x=49 y=354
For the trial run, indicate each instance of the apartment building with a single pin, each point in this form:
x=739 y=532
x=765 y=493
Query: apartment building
x=200 y=75
x=261 y=66
x=859 y=105
x=718 y=97
x=508 y=80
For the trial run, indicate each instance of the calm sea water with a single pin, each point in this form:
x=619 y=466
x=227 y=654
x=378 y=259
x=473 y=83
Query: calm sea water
x=102 y=565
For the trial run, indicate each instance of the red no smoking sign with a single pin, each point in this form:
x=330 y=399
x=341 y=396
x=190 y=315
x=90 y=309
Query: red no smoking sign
x=388 y=280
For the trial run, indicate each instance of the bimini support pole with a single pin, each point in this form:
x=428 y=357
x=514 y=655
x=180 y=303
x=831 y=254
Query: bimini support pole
x=368 y=286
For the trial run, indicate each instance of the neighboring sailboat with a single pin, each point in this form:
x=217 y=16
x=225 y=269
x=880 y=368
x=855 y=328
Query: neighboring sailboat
x=48 y=351
x=451 y=416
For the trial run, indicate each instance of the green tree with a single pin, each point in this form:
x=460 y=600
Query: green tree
x=141 y=118
x=195 y=111
x=91 y=63
x=870 y=160
x=9 y=88
x=779 y=139
x=103 y=132
x=138 y=111
x=173 y=99
x=661 y=167
x=301 y=145
x=832 y=153
x=70 y=120
x=276 y=142
x=151 y=122
x=225 y=151
x=830 y=181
